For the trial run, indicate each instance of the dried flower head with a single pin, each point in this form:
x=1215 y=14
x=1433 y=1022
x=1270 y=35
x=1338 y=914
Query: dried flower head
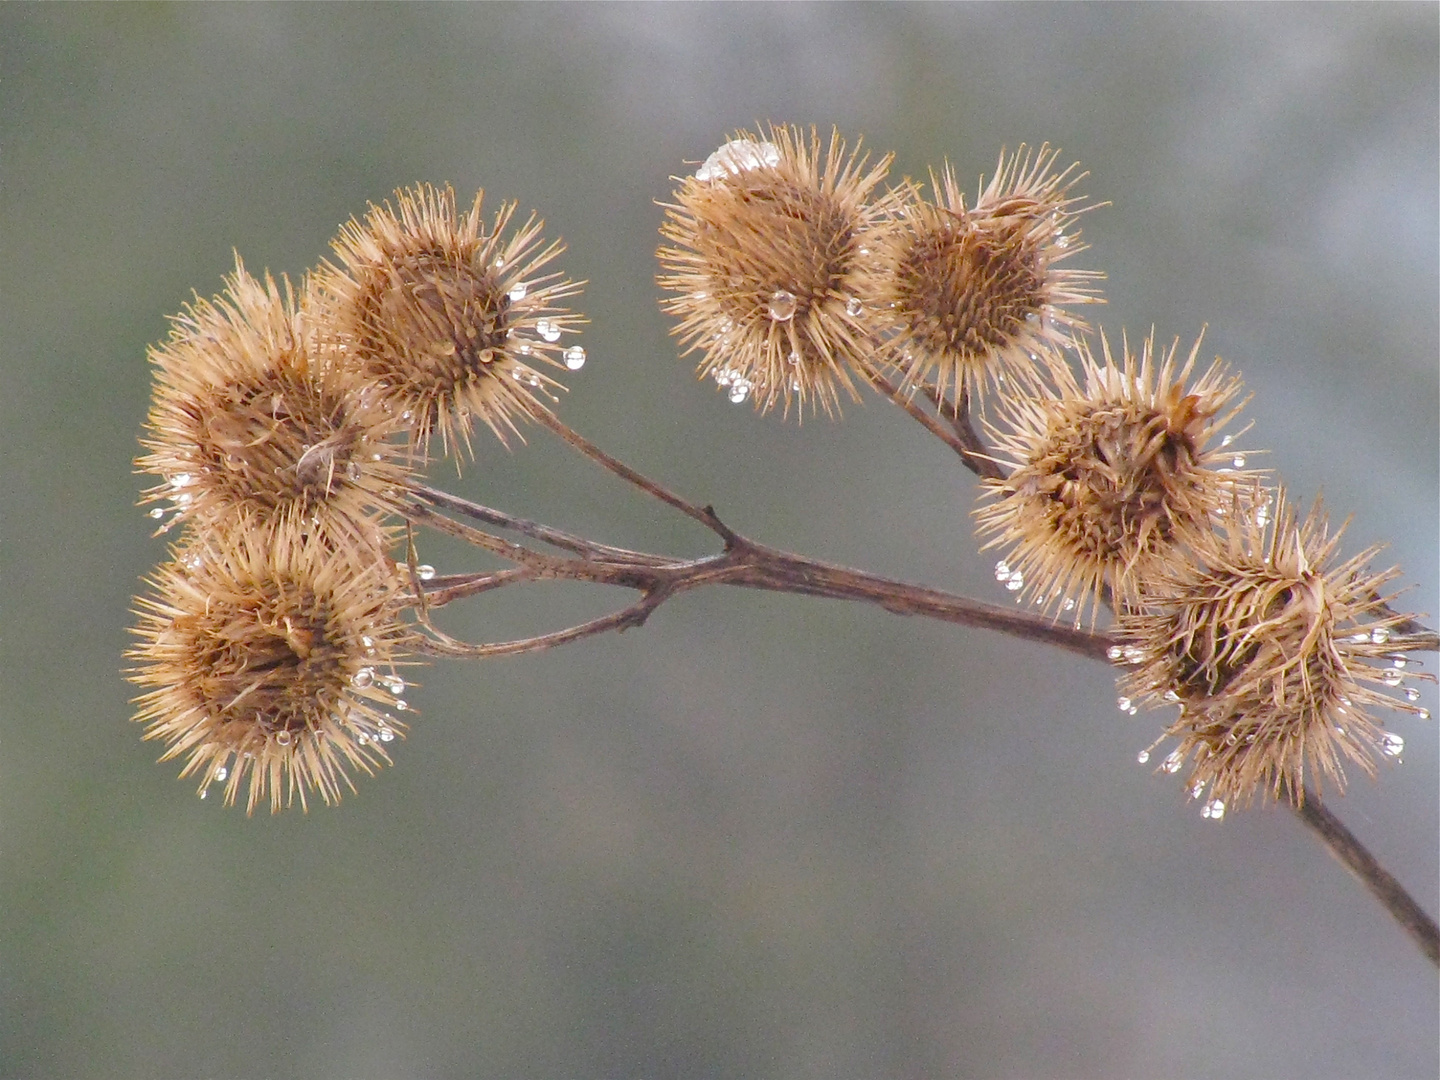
x=1274 y=655
x=1110 y=480
x=445 y=318
x=973 y=297
x=262 y=652
x=247 y=417
x=772 y=266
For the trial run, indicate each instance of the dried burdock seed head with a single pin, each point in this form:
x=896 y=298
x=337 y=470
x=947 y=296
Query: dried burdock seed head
x=1111 y=475
x=248 y=417
x=773 y=265
x=445 y=318
x=974 y=297
x=270 y=656
x=1276 y=654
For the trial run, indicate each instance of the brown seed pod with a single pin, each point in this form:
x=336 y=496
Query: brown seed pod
x=444 y=318
x=248 y=417
x=975 y=297
x=773 y=262
x=1275 y=653
x=1109 y=480
x=270 y=655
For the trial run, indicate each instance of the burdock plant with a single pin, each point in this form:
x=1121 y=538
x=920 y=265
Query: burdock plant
x=290 y=434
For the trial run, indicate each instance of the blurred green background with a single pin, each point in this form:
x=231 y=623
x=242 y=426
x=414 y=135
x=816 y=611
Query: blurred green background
x=763 y=836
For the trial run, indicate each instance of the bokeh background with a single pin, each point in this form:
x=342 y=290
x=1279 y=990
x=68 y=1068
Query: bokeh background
x=763 y=836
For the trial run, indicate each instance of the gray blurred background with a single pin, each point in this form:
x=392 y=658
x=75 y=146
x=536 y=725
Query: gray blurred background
x=763 y=836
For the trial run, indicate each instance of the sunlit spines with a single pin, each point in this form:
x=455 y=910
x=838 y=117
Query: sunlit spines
x=772 y=259
x=1277 y=655
x=973 y=297
x=249 y=417
x=268 y=656
x=446 y=318
x=1111 y=475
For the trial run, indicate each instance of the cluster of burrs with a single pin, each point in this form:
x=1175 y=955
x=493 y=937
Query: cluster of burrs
x=796 y=275
x=289 y=429
x=286 y=431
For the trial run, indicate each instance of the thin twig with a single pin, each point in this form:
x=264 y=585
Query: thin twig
x=634 y=615
x=957 y=415
x=533 y=529
x=932 y=425
x=1353 y=855
x=704 y=515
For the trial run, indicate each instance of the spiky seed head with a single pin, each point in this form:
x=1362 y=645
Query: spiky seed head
x=248 y=417
x=1275 y=652
x=772 y=260
x=1110 y=475
x=445 y=317
x=974 y=297
x=266 y=654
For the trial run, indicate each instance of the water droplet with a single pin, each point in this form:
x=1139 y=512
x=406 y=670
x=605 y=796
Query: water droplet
x=221 y=772
x=205 y=794
x=1197 y=788
x=386 y=735
x=1016 y=581
x=853 y=307
x=575 y=357
x=723 y=377
x=1134 y=654
x=1380 y=636
x=1392 y=744
x=782 y=306
x=1061 y=240
x=739 y=391
x=498 y=262
x=1213 y=810
x=1171 y=764
x=180 y=480
x=795 y=385
x=394 y=683
x=1115 y=652
x=794 y=358
x=1143 y=756
x=736 y=156
x=1239 y=461
x=1398 y=661
x=1124 y=703
x=1002 y=571
x=1411 y=694
x=1391 y=677
x=518 y=292
x=363 y=678
x=1227 y=440
x=283 y=738
x=548 y=329
x=401 y=705
x=158 y=513
x=1423 y=714
x=1032 y=317
x=1171 y=696
x=1359 y=638
x=425 y=571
